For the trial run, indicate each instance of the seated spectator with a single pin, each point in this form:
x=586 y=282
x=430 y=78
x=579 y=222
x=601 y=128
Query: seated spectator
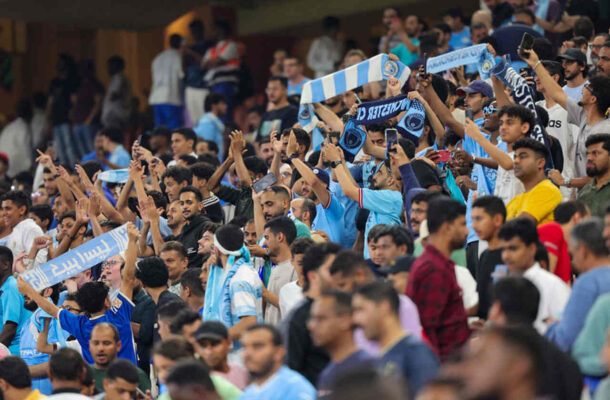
x=16 y=380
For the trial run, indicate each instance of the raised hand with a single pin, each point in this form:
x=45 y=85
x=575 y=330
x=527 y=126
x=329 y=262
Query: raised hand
x=332 y=152
x=398 y=155
x=94 y=204
x=46 y=161
x=84 y=178
x=394 y=88
x=293 y=146
x=237 y=142
x=82 y=206
x=132 y=232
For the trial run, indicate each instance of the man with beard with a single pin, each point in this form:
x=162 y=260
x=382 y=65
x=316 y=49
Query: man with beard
x=104 y=346
x=265 y=150
x=304 y=210
x=192 y=205
x=419 y=208
x=263 y=355
x=282 y=114
x=275 y=202
x=596 y=193
x=301 y=354
x=37 y=361
x=175 y=218
x=329 y=212
x=205 y=245
x=603 y=65
x=574 y=63
x=432 y=283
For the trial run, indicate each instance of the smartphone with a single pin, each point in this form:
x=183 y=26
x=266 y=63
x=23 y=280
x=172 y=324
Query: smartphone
x=425 y=62
x=527 y=42
x=527 y=70
x=443 y=156
x=391 y=138
x=469 y=114
x=264 y=183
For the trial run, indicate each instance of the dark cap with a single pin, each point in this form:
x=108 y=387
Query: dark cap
x=400 y=264
x=213 y=330
x=477 y=86
x=322 y=175
x=574 y=55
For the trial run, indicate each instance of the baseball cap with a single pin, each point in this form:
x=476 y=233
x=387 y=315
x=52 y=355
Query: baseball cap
x=400 y=264
x=213 y=330
x=574 y=55
x=477 y=86
x=322 y=175
x=4 y=157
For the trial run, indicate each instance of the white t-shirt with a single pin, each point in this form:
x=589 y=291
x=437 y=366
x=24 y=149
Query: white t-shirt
x=554 y=295
x=470 y=296
x=167 y=78
x=16 y=142
x=507 y=184
x=22 y=238
x=281 y=274
x=290 y=295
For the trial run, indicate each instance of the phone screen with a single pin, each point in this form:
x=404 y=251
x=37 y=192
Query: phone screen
x=264 y=183
x=425 y=62
x=443 y=156
x=391 y=138
x=527 y=42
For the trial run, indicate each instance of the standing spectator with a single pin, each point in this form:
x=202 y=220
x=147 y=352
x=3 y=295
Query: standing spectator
x=277 y=68
x=87 y=103
x=460 y=32
x=541 y=195
x=16 y=139
x=15 y=207
x=112 y=139
x=166 y=93
x=210 y=126
x=391 y=40
x=59 y=105
x=117 y=102
x=142 y=325
x=375 y=307
x=408 y=50
x=596 y=193
x=13 y=315
x=326 y=51
x=292 y=293
x=591 y=260
x=195 y=91
x=282 y=115
x=222 y=62
x=39 y=120
x=331 y=326
x=432 y=283
x=271 y=380
x=574 y=64
x=293 y=71
x=16 y=380
x=519 y=240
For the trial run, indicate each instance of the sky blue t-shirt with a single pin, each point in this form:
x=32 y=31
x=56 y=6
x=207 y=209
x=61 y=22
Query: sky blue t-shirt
x=163 y=228
x=12 y=309
x=298 y=88
x=350 y=209
x=404 y=55
x=330 y=219
x=461 y=39
x=385 y=207
x=118 y=315
x=120 y=157
x=285 y=384
x=210 y=127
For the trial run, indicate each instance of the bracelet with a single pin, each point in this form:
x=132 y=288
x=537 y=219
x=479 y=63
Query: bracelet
x=536 y=65
x=474 y=159
x=293 y=156
x=567 y=181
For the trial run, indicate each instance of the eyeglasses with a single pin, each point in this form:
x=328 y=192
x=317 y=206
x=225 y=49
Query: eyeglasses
x=71 y=309
x=107 y=263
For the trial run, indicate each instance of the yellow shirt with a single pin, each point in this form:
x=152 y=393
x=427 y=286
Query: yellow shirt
x=35 y=395
x=540 y=202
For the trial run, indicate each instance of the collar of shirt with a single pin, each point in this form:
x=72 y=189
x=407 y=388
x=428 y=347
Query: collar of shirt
x=594 y=183
x=439 y=258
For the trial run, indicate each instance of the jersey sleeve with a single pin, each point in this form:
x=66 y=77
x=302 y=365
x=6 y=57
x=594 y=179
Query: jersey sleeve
x=243 y=298
x=381 y=201
x=334 y=207
x=122 y=307
x=70 y=322
x=12 y=306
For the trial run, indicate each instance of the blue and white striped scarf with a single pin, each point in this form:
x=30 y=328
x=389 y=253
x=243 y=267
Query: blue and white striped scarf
x=477 y=54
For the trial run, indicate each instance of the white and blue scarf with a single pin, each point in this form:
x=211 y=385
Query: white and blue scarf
x=477 y=54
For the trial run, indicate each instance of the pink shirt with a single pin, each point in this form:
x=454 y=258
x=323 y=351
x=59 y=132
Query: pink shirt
x=237 y=375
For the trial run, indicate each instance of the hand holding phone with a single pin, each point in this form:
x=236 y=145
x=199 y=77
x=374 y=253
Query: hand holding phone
x=391 y=138
x=527 y=43
x=443 y=156
x=264 y=183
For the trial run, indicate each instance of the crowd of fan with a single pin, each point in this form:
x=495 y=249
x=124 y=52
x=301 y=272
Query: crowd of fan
x=473 y=263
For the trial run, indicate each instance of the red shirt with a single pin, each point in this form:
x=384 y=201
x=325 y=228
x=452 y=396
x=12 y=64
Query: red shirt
x=551 y=235
x=434 y=289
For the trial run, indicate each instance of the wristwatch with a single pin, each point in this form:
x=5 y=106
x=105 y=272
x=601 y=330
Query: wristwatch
x=293 y=156
x=567 y=181
x=335 y=164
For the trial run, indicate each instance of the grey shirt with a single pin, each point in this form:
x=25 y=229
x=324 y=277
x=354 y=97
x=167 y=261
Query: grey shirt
x=281 y=274
x=577 y=116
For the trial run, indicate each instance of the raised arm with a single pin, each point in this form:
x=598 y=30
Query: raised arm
x=46 y=305
x=552 y=88
x=327 y=115
x=500 y=156
x=308 y=175
x=435 y=123
x=131 y=256
x=276 y=162
x=214 y=181
x=237 y=146
x=350 y=189
x=439 y=108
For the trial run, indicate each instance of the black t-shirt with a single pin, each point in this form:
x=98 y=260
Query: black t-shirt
x=190 y=235
x=278 y=119
x=487 y=263
x=61 y=90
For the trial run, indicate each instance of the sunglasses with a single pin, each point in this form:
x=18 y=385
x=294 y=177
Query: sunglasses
x=490 y=109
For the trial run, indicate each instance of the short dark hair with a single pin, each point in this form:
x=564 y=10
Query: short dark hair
x=283 y=225
x=15 y=372
x=43 y=211
x=190 y=373
x=188 y=159
x=174 y=348
x=379 y=291
x=554 y=68
x=600 y=87
x=528 y=143
x=113 y=134
x=400 y=235
x=440 y=87
x=179 y=174
x=92 y=296
x=492 y=205
x=348 y=262
x=275 y=333
x=190 y=279
x=441 y=210
x=564 y=211
x=202 y=170
x=66 y=364
x=443 y=27
x=152 y=271
x=209 y=157
x=281 y=79
x=521 y=112
x=256 y=165
x=522 y=228
x=187 y=133
x=310 y=206
x=158 y=198
x=603 y=138
x=343 y=301
x=303 y=138
x=18 y=198
x=231 y=237
x=455 y=12
x=210 y=226
x=175 y=41
x=91 y=167
x=184 y=317
x=544 y=48
x=67 y=214
x=315 y=256
x=110 y=224
x=590 y=233
x=6 y=256
x=298 y=246
x=124 y=369
x=212 y=99
x=527 y=12
x=192 y=189
x=170 y=309
x=176 y=246
x=584 y=27
x=162 y=131
x=425 y=196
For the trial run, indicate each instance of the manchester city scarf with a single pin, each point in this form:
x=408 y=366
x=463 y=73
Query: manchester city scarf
x=477 y=54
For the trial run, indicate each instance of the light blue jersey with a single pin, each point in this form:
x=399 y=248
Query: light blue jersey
x=210 y=127
x=12 y=309
x=285 y=384
x=330 y=219
x=298 y=88
x=461 y=39
x=350 y=209
x=385 y=208
x=120 y=157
